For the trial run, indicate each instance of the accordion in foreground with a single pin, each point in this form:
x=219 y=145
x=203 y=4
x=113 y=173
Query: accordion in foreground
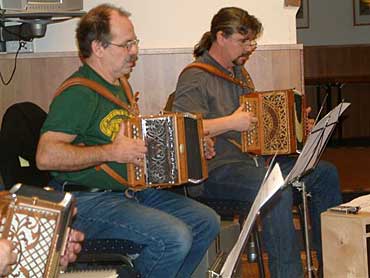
x=175 y=154
x=281 y=122
x=37 y=222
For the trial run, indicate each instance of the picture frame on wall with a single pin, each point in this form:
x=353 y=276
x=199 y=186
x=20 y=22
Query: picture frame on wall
x=303 y=15
x=361 y=12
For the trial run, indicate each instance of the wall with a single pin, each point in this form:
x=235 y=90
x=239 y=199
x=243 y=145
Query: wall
x=331 y=23
x=334 y=47
x=179 y=24
x=155 y=75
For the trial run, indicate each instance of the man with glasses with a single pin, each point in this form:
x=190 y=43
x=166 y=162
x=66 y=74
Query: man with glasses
x=84 y=130
x=233 y=174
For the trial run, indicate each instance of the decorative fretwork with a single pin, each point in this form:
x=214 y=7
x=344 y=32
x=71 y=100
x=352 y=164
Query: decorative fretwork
x=160 y=137
x=275 y=122
x=32 y=230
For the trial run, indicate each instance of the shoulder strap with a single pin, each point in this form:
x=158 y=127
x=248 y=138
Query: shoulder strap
x=101 y=90
x=113 y=174
x=249 y=81
x=215 y=71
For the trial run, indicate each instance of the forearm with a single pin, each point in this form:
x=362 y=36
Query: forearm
x=217 y=126
x=67 y=157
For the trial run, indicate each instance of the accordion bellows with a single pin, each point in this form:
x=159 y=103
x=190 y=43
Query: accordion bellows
x=281 y=122
x=175 y=155
x=37 y=222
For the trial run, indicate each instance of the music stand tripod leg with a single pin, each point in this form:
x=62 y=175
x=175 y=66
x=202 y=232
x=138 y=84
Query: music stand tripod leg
x=300 y=185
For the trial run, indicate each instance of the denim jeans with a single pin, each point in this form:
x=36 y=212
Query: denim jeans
x=176 y=231
x=241 y=181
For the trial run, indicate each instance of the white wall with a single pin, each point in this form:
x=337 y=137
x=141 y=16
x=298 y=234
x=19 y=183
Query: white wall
x=179 y=23
x=331 y=23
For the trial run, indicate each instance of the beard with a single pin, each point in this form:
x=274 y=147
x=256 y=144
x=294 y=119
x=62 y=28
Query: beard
x=242 y=59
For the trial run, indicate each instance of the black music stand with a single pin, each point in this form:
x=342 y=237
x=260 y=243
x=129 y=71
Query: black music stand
x=307 y=161
x=224 y=266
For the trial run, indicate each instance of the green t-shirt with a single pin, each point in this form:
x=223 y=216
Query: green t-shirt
x=95 y=120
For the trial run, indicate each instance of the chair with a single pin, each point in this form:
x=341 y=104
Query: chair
x=20 y=129
x=19 y=136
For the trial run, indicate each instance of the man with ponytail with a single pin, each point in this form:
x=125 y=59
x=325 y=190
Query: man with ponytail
x=236 y=175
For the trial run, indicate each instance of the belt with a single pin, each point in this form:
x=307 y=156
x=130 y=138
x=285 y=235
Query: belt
x=70 y=187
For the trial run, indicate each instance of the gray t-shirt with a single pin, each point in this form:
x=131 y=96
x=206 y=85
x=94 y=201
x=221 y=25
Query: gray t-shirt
x=199 y=91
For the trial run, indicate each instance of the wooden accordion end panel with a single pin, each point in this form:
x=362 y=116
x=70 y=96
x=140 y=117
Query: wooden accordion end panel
x=175 y=143
x=37 y=222
x=281 y=126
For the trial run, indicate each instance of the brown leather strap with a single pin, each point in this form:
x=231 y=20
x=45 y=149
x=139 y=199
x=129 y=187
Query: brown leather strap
x=101 y=90
x=133 y=99
x=215 y=71
x=249 y=81
x=113 y=174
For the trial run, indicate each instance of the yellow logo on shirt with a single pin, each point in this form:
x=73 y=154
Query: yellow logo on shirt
x=110 y=124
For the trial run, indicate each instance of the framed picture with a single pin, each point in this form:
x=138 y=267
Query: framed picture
x=303 y=14
x=361 y=12
x=295 y=3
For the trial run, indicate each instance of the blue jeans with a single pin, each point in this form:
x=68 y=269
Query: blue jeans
x=241 y=181
x=176 y=231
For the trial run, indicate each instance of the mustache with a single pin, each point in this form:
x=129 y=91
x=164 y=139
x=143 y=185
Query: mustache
x=133 y=58
x=245 y=54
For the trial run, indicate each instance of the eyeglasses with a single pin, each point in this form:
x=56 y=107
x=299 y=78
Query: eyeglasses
x=245 y=43
x=128 y=45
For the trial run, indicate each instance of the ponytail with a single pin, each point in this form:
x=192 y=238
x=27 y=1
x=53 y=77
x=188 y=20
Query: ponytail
x=203 y=45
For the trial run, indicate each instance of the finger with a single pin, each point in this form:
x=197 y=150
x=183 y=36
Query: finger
x=138 y=162
x=122 y=129
x=72 y=258
x=8 y=270
x=254 y=120
x=64 y=261
x=76 y=236
x=13 y=258
x=241 y=108
x=74 y=211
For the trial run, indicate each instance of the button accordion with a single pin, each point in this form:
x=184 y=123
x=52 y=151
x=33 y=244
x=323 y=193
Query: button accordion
x=37 y=222
x=175 y=143
x=280 y=128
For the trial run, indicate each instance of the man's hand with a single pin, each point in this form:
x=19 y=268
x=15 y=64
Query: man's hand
x=127 y=150
x=309 y=121
x=209 y=147
x=242 y=120
x=7 y=256
x=75 y=239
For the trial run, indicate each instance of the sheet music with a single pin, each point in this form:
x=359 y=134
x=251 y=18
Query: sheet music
x=363 y=202
x=316 y=143
x=271 y=185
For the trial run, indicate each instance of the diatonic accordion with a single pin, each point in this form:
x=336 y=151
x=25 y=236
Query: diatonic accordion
x=37 y=222
x=175 y=143
x=281 y=122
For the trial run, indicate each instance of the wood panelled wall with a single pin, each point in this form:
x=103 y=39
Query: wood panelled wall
x=339 y=61
x=334 y=60
x=155 y=75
